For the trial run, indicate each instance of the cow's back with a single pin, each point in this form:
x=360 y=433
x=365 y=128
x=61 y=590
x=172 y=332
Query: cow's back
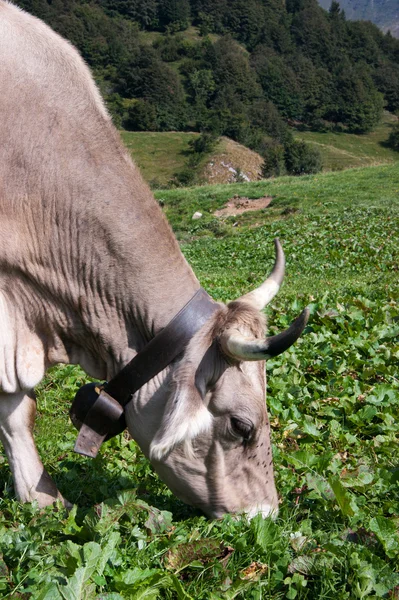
x=45 y=70
x=59 y=151
x=51 y=113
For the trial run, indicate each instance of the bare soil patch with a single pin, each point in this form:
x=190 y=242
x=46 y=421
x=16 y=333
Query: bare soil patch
x=240 y=204
x=232 y=163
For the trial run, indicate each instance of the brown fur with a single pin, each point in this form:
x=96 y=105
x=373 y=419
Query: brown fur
x=242 y=316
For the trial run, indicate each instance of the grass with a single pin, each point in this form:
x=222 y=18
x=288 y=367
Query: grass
x=159 y=155
x=333 y=401
x=344 y=150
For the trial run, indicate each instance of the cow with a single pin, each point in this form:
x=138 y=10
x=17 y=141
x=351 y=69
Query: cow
x=90 y=272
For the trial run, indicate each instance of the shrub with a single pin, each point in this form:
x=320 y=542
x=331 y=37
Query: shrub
x=204 y=144
x=141 y=116
x=184 y=178
x=393 y=140
x=301 y=158
x=274 y=163
x=116 y=108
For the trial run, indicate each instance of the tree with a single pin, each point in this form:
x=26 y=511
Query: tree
x=315 y=87
x=233 y=74
x=210 y=14
x=265 y=117
x=201 y=85
x=359 y=105
x=174 y=12
x=141 y=116
x=393 y=140
x=142 y=11
x=147 y=78
x=278 y=81
x=302 y=158
x=362 y=42
x=386 y=78
x=245 y=19
x=274 y=160
x=311 y=30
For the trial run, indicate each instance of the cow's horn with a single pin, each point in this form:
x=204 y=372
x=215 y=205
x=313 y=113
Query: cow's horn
x=245 y=348
x=265 y=293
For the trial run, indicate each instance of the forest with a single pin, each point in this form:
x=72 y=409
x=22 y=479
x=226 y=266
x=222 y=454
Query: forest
x=243 y=69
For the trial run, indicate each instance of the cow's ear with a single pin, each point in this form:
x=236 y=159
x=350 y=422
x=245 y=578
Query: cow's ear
x=185 y=417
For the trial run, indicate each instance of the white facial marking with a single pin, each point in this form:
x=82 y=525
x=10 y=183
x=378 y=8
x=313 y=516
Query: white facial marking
x=180 y=426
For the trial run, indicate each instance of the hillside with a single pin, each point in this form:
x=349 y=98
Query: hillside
x=161 y=156
x=292 y=198
x=384 y=13
x=243 y=70
x=343 y=150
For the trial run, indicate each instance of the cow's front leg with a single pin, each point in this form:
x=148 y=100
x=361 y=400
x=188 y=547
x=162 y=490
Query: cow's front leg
x=31 y=480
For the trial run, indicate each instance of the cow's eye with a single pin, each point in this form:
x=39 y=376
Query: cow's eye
x=242 y=428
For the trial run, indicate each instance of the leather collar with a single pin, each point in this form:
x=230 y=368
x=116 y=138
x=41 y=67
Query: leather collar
x=98 y=409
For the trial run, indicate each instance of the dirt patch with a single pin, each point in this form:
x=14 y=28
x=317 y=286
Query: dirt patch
x=239 y=205
x=233 y=163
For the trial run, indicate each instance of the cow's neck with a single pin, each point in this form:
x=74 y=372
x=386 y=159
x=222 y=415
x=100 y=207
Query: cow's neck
x=136 y=276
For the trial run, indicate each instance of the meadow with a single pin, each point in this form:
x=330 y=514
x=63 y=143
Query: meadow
x=161 y=155
x=333 y=403
x=340 y=150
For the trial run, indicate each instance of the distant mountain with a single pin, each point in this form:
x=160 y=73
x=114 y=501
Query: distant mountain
x=384 y=13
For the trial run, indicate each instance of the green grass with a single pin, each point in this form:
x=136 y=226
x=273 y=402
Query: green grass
x=333 y=401
x=312 y=194
x=159 y=155
x=344 y=150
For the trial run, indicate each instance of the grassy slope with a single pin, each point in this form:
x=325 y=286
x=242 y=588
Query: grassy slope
x=161 y=155
x=344 y=150
x=333 y=401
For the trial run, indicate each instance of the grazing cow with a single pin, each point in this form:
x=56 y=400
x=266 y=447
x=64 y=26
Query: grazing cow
x=90 y=271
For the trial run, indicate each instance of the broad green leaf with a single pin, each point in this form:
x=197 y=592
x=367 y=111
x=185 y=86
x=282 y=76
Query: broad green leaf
x=91 y=555
x=265 y=531
x=49 y=592
x=70 y=526
x=320 y=486
x=158 y=520
x=78 y=586
x=107 y=551
x=310 y=429
x=129 y=579
x=387 y=533
x=344 y=499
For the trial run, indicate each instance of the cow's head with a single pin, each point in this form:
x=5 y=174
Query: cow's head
x=212 y=446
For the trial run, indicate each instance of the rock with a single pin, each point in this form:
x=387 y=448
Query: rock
x=197 y=215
